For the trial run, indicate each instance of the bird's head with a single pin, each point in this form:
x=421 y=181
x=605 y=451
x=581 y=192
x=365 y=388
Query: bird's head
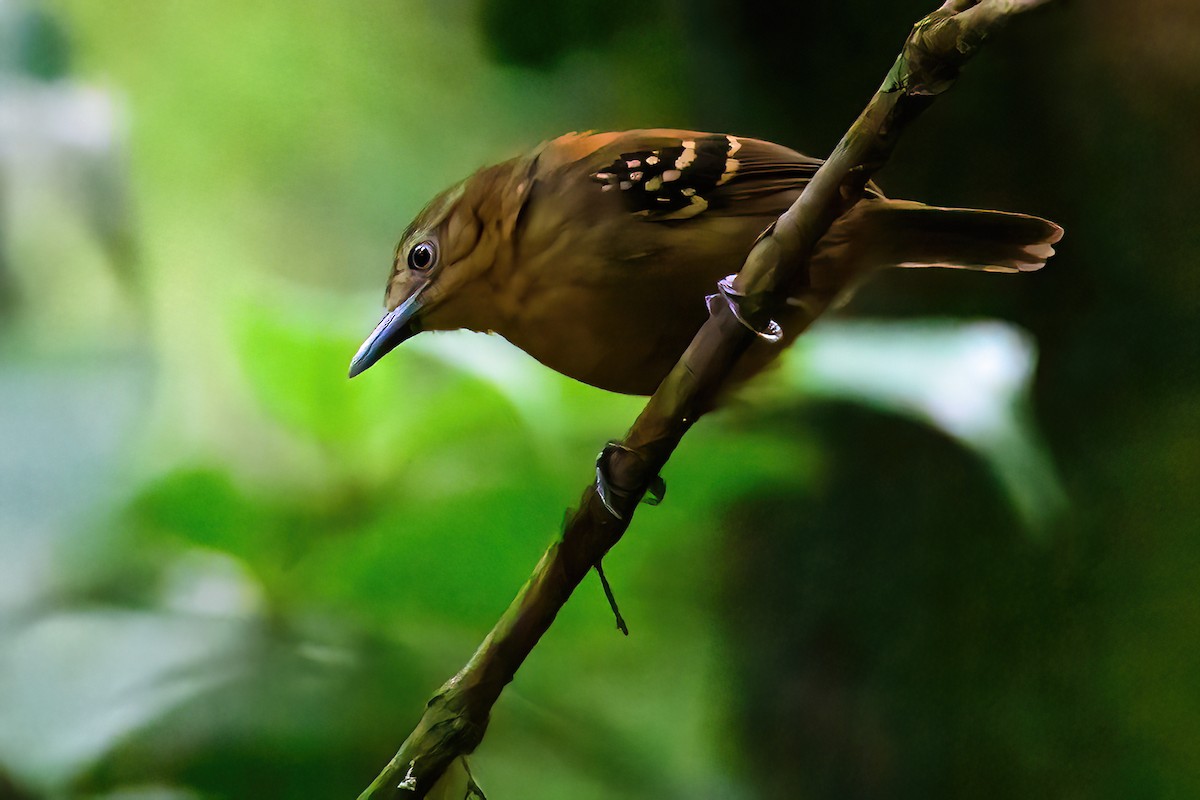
x=438 y=279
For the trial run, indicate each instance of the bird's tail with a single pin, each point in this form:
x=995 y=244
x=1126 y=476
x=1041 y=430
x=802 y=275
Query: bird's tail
x=902 y=233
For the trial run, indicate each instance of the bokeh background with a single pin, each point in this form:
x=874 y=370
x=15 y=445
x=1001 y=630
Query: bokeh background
x=950 y=549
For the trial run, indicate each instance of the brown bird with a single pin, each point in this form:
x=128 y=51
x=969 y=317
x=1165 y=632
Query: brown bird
x=594 y=252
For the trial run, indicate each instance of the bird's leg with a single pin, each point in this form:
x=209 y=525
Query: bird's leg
x=611 y=495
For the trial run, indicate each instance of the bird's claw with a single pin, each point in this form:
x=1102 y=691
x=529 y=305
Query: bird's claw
x=769 y=331
x=611 y=496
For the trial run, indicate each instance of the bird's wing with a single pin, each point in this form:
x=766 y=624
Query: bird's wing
x=665 y=175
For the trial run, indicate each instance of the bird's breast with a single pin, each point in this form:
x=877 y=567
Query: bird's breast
x=616 y=307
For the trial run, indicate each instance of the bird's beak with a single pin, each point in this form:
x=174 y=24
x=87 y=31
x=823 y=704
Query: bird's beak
x=396 y=326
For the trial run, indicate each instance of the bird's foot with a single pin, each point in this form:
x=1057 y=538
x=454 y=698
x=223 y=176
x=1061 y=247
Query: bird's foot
x=768 y=330
x=611 y=495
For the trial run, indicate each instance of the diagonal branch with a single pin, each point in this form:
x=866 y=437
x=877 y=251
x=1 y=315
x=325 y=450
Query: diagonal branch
x=455 y=718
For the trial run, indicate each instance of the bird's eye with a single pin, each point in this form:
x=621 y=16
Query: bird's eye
x=422 y=256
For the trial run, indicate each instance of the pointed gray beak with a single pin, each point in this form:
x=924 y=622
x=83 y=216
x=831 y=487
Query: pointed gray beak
x=396 y=326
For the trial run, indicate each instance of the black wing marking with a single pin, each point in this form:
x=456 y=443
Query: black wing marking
x=672 y=182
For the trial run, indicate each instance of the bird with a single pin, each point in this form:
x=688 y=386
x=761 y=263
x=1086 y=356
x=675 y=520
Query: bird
x=595 y=252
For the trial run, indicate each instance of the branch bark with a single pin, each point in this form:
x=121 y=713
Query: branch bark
x=456 y=717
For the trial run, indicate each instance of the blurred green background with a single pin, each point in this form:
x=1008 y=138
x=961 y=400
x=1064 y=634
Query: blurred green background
x=950 y=549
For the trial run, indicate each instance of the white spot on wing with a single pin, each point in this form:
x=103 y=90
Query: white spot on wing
x=734 y=145
x=731 y=168
x=687 y=156
x=671 y=175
